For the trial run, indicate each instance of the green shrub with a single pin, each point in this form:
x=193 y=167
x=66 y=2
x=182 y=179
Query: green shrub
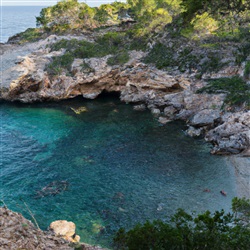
x=60 y=64
x=161 y=56
x=86 y=49
x=119 y=59
x=247 y=69
x=218 y=230
x=236 y=89
x=30 y=35
x=110 y=43
x=164 y=57
x=213 y=64
x=210 y=45
x=69 y=45
x=243 y=52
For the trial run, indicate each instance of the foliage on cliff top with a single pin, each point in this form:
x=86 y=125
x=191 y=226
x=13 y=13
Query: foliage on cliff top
x=236 y=89
x=151 y=16
x=155 y=22
x=110 y=43
x=218 y=230
x=70 y=15
x=29 y=35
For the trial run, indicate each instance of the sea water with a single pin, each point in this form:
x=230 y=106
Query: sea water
x=15 y=19
x=121 y=165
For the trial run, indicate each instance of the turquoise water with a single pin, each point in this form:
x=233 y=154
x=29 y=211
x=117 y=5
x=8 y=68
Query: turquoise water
x=122 y=166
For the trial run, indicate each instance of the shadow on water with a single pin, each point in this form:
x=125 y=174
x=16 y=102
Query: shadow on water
x=121 y=166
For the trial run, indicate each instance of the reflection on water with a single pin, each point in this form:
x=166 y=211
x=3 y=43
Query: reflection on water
x=121 y=166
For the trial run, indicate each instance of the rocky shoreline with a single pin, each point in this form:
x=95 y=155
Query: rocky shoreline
x=16 y=232
x=168 y=96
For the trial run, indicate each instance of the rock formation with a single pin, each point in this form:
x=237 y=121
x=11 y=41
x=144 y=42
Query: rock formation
x=65 y=229
x=16 y=232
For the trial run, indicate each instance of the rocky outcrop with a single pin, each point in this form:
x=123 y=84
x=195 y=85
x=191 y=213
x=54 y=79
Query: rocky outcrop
x=135 y=81
x=16 y=232
x=233 y=135
x=65 y=229
x=168 y=96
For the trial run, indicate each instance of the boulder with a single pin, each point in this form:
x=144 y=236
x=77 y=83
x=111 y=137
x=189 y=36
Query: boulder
x=169 y=111
x=155 y=111
x=163 y=120
x=65 y=229
x=140 y=107
x=233 y=136
x=205 y=117
x=194 y=132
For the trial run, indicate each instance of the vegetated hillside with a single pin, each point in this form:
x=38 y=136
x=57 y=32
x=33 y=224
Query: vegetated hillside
x=188 y=18
x=180 y=36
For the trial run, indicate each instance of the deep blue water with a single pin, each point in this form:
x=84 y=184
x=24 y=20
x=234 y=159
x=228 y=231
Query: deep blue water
x=16 y=19
x=122 y=166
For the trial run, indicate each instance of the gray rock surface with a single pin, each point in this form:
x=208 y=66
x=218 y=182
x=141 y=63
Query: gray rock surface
x=194 y=132
x=233 y=136
x=205 y=117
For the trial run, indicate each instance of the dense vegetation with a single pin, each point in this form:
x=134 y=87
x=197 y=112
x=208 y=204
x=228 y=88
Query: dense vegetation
x=68 y=15
x=200 y=17
x=109 y=43
x=236 y=89
x=214 y=231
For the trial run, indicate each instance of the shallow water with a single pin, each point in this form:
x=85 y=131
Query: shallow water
x=121 y=165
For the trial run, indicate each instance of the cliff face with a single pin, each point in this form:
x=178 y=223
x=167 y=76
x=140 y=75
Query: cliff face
x=169 y=95
x=16 y=232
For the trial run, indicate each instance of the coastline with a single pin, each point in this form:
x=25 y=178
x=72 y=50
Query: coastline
x=170 y=93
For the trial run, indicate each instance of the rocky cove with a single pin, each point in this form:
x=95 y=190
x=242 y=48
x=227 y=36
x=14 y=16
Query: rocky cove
x=169 y=97
x=169 y=94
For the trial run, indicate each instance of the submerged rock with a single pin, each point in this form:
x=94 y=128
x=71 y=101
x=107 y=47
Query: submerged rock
x=163 y=120
x=140 y=107
x=53 y=188
x=79 y=110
